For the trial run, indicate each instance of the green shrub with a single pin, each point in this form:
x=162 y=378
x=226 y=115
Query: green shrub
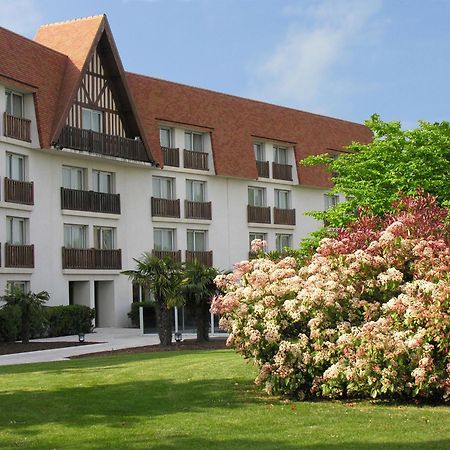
x=69 y=319
x=10 y=323
x=134 y=312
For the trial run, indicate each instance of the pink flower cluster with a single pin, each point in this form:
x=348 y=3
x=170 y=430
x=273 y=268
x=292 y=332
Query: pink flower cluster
x=368 y=316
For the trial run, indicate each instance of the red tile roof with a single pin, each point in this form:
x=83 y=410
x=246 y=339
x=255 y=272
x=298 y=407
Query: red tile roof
x=52 y=68
x=31 y=67
x=236 y=122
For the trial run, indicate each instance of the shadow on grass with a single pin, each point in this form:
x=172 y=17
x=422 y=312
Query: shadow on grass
x=111 y=404
x=100 y=361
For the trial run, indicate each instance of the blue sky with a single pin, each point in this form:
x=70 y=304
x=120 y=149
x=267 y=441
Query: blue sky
x=344 y=58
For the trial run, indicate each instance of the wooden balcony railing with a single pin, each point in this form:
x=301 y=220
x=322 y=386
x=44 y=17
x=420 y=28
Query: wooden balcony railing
x=16 y=127
x=205 y=258
x=258 y=214
x=19 y=256
x=197 y=210
x=263 y=169
x=171 y=156
x=102 y=144
x=174 y=254
x=163 y=207
x=91 y=259
x=284 y=216
x=282 y=171
x=195 y=160
x=19 y=191
x=92 y=201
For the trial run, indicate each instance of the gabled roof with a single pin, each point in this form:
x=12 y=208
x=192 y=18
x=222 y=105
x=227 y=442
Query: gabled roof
x=237 y=122
x=30 y=67
x=78 y=39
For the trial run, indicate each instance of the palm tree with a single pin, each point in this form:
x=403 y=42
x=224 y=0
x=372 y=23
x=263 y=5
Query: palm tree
x=29 y=303
x=163 y=277
x=198 y=289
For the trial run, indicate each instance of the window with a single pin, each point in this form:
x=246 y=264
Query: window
x=15 y=167
x=256 y=196
x=73 y=178
x=91 y=120
x=282 y=241
x=260 y=154
x=163 y=188
x=75 y=236
x=14 y=104
x=196 y=240
x=23 y=286
x=253 y=236
x=165 y=137
x=331 y=200
x=102 y=181
x=195 y=190
x=193 y=141
x=282 y=199
x=281 y=155
x=16 y=228
x=164 y=239
x=104 y=238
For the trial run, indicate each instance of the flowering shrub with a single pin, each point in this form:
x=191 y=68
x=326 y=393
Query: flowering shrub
x=367 y=316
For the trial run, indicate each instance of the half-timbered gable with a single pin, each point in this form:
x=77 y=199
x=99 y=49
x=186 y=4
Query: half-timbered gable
x=95 y=94
x=101 y=117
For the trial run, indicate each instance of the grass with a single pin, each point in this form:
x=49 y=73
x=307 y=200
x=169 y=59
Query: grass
x=192 y=400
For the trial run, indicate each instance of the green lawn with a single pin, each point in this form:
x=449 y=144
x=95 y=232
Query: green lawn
x=192 y=400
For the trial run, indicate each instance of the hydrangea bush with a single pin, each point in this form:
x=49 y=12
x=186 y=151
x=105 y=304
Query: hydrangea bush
x=367 y=316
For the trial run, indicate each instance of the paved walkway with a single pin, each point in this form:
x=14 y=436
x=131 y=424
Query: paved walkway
x=110 y=338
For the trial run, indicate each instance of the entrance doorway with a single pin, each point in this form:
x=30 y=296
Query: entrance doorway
x=104 y=303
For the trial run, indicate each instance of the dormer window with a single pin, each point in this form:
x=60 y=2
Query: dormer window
x=92 y=120
x=165 y=137
x=14 y=104
x=193 y=141
x=260 y=154
x=281 y=155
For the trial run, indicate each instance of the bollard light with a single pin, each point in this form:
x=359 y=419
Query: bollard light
x=80 y=337
x=178 y=337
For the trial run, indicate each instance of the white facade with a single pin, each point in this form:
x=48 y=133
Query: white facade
x=227 y=233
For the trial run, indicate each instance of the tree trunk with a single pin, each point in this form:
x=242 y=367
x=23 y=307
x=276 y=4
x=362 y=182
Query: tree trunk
x=25 y=325
x=202 y=314
x=164 y=323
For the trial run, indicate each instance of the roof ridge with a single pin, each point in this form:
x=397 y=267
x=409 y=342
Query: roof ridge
x=32 y=41
x=239 y=97
x=78 y=19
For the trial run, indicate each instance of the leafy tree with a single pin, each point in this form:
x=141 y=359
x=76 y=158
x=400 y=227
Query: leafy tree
x=397 y=162
x=198 y=289
x=29 y=303
x=163 y=277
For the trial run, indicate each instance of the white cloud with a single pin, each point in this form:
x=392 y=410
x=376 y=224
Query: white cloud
x=299 y=70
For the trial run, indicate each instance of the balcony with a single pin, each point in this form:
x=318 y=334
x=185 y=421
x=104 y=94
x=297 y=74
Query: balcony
x=284 y=216
x=163 y=207
x=282 y=171
x=171 y=156
x=174 y=254
x=195 y=160
x=17 y=127
x=91 y=201
x=258 y=214
x=19 y=191
x=19 y=256
x=91 y=259
x=102 y=144
x=263 y=169
x=205 y=258
x=197 y=210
